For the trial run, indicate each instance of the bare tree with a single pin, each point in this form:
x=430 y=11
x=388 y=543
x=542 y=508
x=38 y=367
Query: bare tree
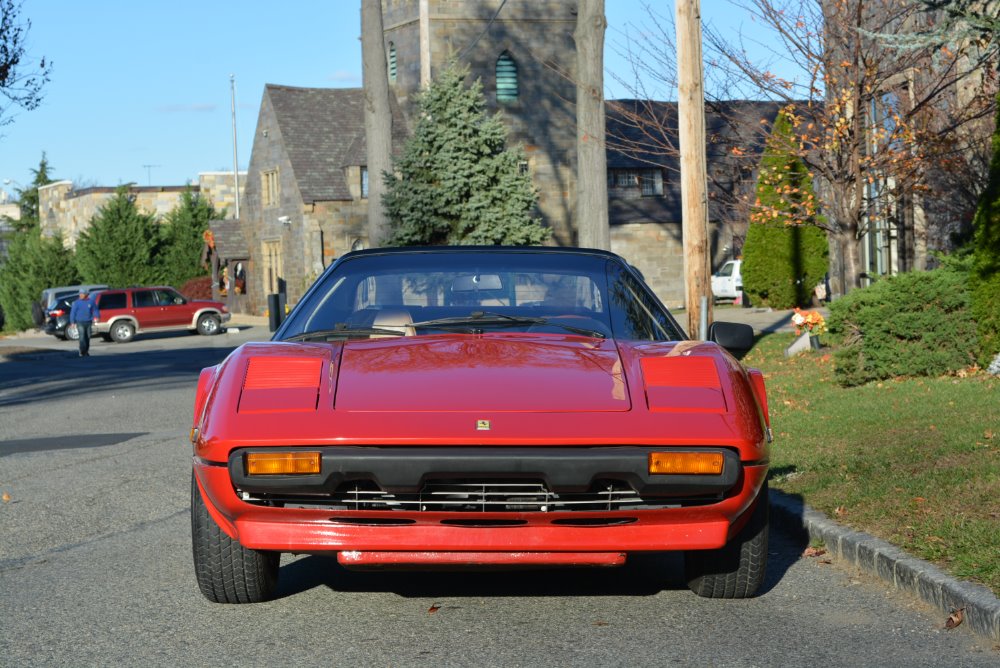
x=592 y=183
x=378 y=117
x=21 y=81
x=878 y=124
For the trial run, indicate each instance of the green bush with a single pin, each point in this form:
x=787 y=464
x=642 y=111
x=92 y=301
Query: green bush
x=785 y=253
x=913 y=324
x=985 y=276
x=782 y=264
x=34 y=263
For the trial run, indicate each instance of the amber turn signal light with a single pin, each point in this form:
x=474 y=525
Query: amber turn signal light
x=690 y=463
x=282 y=463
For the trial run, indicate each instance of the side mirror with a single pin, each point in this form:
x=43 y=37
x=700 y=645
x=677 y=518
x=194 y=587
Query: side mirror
x=735 y=337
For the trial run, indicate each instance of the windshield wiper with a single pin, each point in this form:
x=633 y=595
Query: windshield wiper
x=342 y=331
x=502 y=319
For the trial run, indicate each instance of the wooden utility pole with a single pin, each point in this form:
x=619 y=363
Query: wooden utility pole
x=694 y=178
x=378 y=117
x=592 y=171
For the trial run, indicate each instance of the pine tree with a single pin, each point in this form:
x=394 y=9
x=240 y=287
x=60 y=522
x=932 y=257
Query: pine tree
x=28 y=197
x=183 y=239
x=785 y=253
x=985 y=276
x=33 y=264
x=121 y=245
x=456 y=182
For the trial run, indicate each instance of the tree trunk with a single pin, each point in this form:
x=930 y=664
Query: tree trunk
x=694 y=179
x=378 y=117
x=592 y=172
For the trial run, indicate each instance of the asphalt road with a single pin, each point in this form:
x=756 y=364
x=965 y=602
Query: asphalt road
x=95 y=562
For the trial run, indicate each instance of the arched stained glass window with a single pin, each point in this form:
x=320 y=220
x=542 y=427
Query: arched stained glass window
x=392 y=62
x=506 y=78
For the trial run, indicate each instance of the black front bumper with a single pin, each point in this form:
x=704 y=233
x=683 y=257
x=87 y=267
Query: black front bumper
x=406 y=470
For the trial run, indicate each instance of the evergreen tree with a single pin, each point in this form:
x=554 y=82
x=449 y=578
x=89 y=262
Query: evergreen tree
x=121 y=245
x=985 y=277
x=33 y=264
x=456 y=183
x=785 y=253
x=183 y=239
x=28 y=197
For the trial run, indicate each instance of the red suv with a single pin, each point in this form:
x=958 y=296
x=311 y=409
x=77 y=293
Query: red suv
x=125 y=313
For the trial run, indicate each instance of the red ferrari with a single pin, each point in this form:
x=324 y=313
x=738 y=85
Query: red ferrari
x=488 y=407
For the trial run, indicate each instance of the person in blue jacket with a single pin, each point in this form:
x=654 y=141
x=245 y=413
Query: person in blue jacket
x=83 y=314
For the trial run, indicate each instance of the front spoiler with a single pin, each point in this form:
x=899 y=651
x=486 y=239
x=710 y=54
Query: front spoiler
x=320 y=530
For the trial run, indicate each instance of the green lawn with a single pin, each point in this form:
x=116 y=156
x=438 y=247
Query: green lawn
x=913 y=461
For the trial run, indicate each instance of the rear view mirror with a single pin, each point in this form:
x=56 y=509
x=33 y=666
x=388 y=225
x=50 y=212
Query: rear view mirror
x=476 y=282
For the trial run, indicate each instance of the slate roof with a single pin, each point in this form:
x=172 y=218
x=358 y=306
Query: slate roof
x=323 y=130
x=230 y=242
x=631 y=145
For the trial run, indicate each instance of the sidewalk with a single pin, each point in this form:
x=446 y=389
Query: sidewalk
x=763 y=320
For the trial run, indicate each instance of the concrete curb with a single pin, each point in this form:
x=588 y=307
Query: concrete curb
x=886 y=561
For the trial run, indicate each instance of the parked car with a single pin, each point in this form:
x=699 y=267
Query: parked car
x=51 y=297
x=727 y=283
x=130 y=311
x=57 y=320
x=481 y=406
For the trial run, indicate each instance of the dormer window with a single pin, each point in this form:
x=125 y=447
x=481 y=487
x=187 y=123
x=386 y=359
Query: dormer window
x=506 y=78
x=391 y=61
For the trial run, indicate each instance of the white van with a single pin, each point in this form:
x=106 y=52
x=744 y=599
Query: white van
x=727 y=283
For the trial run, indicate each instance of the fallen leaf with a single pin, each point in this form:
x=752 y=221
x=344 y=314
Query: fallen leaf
x=600 y=623
x=5 y=497
x=814 y=552
x=840 y=510
x=919 y=499
x=955 y=618
x=825 y=562
x=434 y=608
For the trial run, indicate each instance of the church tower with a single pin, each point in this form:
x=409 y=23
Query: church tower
x=524 y=54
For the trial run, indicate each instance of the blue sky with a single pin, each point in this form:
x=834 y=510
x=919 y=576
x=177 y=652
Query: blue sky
x=140 y=90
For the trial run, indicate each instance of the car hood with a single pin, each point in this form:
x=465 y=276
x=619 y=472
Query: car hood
x=497 y=373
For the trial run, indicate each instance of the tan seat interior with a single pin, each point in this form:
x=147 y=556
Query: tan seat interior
x=395 y=319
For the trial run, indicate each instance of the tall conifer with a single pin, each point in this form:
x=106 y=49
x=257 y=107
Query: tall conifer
x=785 y=253
x=121 y=245
x=456 y=182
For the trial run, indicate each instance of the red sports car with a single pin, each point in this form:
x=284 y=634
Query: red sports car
x=452 y=407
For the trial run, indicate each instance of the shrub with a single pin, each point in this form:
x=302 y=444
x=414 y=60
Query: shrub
x=35 y=263
x=913 y=324
x=782 y=264
x=785 y=253
x=985 y=275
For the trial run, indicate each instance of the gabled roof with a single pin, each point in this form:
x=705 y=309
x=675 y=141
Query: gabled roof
x=230 y=242
x=323 y=130
x=642 y=134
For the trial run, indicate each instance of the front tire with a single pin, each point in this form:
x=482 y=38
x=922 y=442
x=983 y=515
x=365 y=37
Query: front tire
x=737 y=569
x=71 y=333
x=209 y=324
x=122 y=331
x=227 y=572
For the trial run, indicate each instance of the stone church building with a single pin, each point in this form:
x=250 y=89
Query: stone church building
x=306 y=190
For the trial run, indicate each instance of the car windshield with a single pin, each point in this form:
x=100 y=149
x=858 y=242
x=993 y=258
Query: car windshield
x=388 y=294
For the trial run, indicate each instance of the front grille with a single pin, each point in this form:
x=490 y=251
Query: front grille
x=475 y=497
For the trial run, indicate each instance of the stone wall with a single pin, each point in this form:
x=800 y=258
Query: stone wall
x=538 y=35
x=67 y=211
x=656 y=250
